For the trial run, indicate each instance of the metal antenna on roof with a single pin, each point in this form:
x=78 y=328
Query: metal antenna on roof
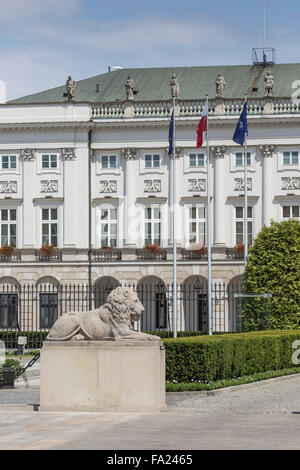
x=264 y=16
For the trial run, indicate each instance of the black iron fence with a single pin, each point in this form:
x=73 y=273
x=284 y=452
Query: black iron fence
x=31 y=310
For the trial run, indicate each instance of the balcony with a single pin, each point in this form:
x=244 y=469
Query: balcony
x=234 y=254
x=106 y=255
x=14 y=257
x=144 y=254
x=55 y=256
x=127 y=255
x=190 y=255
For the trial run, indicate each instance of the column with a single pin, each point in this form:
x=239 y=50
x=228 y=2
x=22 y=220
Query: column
x=219 y=195
x=131 y=219
x=178 y=152
x=71 y=206
x=28 y=158
x=267 y=152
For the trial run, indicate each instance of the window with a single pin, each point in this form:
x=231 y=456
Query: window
x=108 y=161
x=8 y=310
x=239 y=159
x=196 y=160
x=49 y=161
x=290 y=158
x=152 y=225
x=49 y=227
x=8 y=226
x=290 y=212
x=239 y=225
x=152 y=161
x=108 y=227
x=197 y=224
x=48 y=309
x=9 y=162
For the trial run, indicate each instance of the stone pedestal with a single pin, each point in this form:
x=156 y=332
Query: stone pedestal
x=102 y=376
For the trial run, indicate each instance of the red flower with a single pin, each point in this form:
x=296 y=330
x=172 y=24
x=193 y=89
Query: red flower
x=7 y=250
x=47 y=250
x=155 y=248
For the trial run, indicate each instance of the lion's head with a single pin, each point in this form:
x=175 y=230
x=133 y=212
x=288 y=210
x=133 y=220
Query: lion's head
x=124 y=305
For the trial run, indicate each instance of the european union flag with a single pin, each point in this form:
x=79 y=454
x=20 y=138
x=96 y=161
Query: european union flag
x=241 y=128
x=171 y=134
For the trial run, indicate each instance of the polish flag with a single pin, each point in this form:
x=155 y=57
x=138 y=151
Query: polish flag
x=202 y=127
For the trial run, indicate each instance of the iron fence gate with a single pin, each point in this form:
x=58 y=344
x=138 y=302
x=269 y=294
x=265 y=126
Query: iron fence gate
x=31 y=310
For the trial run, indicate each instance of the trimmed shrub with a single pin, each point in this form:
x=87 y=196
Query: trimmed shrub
x=34 y=338
x=274 y=267
x=210 y=358
x=180 y=334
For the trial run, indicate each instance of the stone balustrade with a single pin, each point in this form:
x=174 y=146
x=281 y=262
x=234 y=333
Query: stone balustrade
x=190 y=108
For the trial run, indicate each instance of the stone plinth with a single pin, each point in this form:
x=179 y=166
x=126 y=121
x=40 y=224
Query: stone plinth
x=102 y=376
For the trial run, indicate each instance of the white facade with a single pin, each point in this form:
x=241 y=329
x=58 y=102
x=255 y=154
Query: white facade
x=44 y=177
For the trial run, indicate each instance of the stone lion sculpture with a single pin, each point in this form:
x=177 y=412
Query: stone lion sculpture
x=112 y=321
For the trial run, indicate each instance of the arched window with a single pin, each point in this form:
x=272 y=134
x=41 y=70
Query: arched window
x=234 y=289
x=195 y=306
x=151 y=291
x=48 y=296
x=102 y=288
x=9 y=302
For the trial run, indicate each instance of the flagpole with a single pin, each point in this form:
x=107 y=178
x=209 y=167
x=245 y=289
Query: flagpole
x=208 y=238
x=174 y=230
x=245 y=197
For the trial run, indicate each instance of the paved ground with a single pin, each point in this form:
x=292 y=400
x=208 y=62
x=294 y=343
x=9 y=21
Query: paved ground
x=264 y=417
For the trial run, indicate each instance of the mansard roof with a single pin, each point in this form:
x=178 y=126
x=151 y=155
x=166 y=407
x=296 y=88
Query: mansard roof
x=154 y=84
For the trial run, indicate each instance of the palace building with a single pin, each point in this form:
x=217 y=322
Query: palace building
x=85 y=174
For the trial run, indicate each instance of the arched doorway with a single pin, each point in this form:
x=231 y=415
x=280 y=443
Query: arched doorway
x=234 y=288
x=195 y=305
x=151 y=291
x=9 y=303
x=102 y=288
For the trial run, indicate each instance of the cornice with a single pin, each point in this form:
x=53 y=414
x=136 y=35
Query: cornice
x=47 y=199
x=181 y=122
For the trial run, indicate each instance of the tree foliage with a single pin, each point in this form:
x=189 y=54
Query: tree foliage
x=274 y=267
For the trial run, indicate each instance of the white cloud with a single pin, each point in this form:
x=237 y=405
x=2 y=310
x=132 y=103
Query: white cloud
x=154 y=32
x=14 y=10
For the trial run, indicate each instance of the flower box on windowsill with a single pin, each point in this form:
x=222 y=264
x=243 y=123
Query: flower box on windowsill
x=7 y=250
x=151 y=252
x=9 y=254
x=197 y=253
x=48 y=253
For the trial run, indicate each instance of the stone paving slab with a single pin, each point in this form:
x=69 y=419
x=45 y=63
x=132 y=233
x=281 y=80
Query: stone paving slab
x=264 y=417
x=146 y=431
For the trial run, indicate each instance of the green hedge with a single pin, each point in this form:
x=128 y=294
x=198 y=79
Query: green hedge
x=180 y=334
x=34 y=338
x=210 y=358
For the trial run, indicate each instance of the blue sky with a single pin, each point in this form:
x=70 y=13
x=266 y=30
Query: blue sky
x=41 y=42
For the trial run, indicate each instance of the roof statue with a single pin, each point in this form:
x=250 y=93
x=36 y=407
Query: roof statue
x=220 y=86
x=70 y=86
x=112 y=321
x=175 y=90
x=129 y=85
x=154 y=84
x=269 y=84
